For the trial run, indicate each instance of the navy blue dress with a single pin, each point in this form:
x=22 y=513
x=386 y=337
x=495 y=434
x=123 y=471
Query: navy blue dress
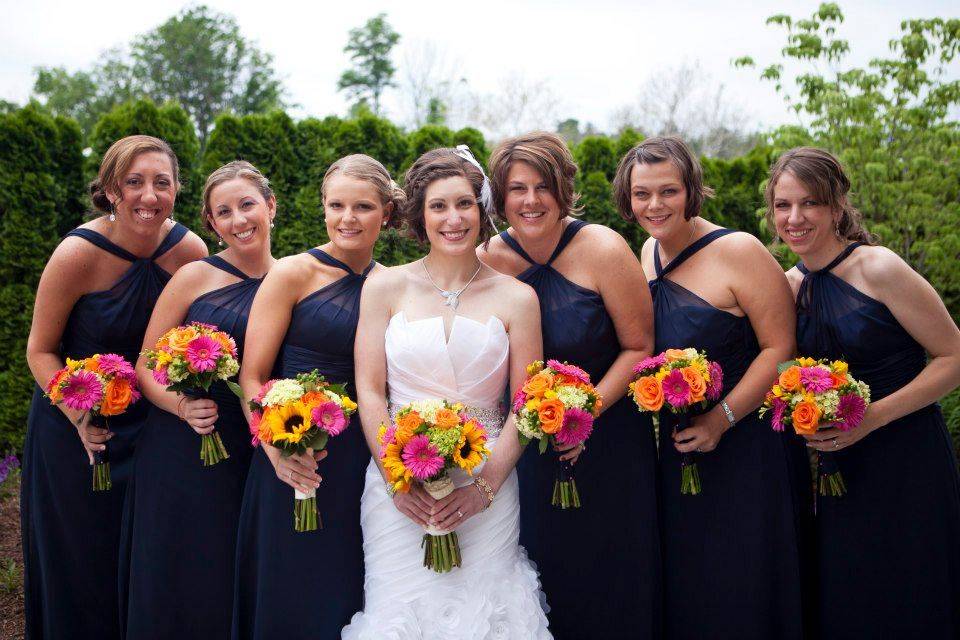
x=599 y=564
x=888 y=550
x=309 y=584
x=70 y=533
x=180 y=519
x=732 y=555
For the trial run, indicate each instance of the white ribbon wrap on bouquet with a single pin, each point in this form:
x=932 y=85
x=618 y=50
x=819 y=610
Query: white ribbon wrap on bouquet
x=438 y=489
x=304 y=496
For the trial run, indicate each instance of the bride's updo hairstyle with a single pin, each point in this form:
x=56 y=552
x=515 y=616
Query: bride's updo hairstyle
x=654 y=151
x=437 y=165
x=549 y=155
x=821 y=173
x=116 y=162
x=362 y=167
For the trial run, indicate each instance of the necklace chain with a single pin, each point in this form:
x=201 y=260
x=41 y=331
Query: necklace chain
x=451 y=298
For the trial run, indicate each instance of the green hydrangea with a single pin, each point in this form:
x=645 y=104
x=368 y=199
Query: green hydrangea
x=572 y=396
x=445 y=440
x=177 y=371
x=228 y=368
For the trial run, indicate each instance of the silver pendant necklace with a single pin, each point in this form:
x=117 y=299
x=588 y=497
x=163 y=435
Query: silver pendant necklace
x=451 y=298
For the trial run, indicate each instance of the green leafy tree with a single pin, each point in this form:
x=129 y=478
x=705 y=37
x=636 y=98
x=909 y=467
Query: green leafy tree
x=200 y=59
x=369 y=47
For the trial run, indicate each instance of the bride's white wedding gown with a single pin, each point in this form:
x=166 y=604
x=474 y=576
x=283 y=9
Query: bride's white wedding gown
x=495 y=593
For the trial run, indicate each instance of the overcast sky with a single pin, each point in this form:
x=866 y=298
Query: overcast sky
x=594 y=55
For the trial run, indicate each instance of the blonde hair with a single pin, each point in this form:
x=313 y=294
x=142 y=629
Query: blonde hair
x=654 y=151
x=363 y=167
x=116 y=162
x=821 y=172
x=549 y=155
x=226 y=173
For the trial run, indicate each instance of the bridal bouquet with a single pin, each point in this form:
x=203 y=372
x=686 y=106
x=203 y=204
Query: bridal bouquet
x=817 y=394
x=678 y=379
x=426 y=440
x=187 y=360
x=103 y=386
x=557 y=405
x=297 y=415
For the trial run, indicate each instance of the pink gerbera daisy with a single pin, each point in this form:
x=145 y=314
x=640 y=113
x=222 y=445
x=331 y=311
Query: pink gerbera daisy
x=569 y=370
x=779 y=408
x=653 y=362
x=329 y=417
x=111 y=363
x=160 y=375
x=422 y=458
x=577 y=426
x=815 y=379
x=519 y=399
x=715 y=388
x=676 y=390
x=202 y=353
x=850 y=410
x=83 y=391
x=255 y=417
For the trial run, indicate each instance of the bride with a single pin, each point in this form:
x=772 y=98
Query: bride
x=446 y=327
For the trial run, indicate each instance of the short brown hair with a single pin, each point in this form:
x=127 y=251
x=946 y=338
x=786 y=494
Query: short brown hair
x=432 y=166
x=116 y=162
x=363 y=167
x=654 y=151
x=549 y=155
x=821 y=172
x=226 y=173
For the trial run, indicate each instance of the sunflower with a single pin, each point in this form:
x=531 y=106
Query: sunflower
x=397 y=473
x=472 y=448
x=287 y=422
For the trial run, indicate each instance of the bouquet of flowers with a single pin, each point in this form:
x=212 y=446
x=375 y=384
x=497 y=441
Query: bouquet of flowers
x=678 y=379
x=296 y=415
x=427 y=439
x=816 y=394
x=187 y=360
x=557 y=405
x=103 y=386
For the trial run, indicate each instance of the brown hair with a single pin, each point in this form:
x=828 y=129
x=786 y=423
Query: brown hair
x=116 y=162
x=822 y=173
x=549 y=155
x=654 y=151
x=432 y=166
x=367 y=169
x=226 y=173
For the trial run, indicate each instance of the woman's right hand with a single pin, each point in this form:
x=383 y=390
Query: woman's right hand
x=200 y=413
x=94 y=439
x=416 y=504
x=300 y=470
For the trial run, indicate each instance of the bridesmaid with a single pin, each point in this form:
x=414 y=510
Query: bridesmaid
x=888 y=550
x=308 y=585
x=180 y=518
x=95 y=296
x=599 y=564
x=732 y=564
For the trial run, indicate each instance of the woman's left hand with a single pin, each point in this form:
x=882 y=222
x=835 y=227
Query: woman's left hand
x=570 y=452
x=703 y=434
x=458 y=507
x=833 y=439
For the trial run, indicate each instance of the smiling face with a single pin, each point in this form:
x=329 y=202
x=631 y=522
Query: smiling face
x=147 y=191
x=658 y=199
x=805 y=224
x=451 y=216
x=241 y=216
x=354 y=212
x=528 y=205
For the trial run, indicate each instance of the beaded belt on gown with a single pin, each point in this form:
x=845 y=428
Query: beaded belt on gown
x=491 y=418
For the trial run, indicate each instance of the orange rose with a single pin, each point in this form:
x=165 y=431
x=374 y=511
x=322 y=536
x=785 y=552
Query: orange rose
x=537 y=385
x=447 y=418
x=838 y=380
x=409 y=422
x=313 y=398
x=179 y=340
x=92 y=363
x=806 y=418
x=598 y=405
x=673 y=355
x=790 y=379
x=116 y=397
x=551 y=415
x=698 y=387
x=649 y=393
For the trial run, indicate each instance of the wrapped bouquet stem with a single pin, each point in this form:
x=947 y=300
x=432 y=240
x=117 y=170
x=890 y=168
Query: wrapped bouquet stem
x=101 y=459
x=689 y=474
x=212 y=450
x=441 y=549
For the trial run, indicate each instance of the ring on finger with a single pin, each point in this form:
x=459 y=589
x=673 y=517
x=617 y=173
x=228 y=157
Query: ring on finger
x=459 y=513
x=836 y=444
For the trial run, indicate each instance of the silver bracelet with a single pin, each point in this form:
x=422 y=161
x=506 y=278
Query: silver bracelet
x=729 y=413
x=391 y=491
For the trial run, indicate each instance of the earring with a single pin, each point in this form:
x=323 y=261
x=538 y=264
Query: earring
x=113 y=213
x=271 y=224
x=836 y=231
x=220 y=240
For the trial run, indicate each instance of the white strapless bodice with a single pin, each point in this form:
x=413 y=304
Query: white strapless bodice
x=471 y=367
